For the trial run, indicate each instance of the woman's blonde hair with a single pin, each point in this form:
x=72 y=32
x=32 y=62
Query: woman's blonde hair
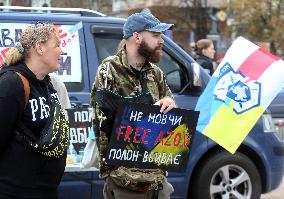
x=39 y=32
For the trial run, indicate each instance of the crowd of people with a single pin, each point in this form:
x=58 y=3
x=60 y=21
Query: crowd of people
x=26 y=82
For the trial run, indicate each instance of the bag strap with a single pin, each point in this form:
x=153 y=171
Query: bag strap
x=143 y=81
x=25 y=130
x=27 y=91
x=27 y=88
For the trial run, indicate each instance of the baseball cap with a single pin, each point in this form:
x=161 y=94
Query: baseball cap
x=142 y=21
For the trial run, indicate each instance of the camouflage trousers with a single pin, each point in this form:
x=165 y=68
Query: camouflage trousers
x=112 y=191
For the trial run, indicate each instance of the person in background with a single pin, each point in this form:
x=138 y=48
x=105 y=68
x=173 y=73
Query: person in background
x=27 y=97
x=122 y=74
x=204 y=50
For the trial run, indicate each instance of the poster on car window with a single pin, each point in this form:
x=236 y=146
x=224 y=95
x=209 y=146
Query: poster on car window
x=142 y=137
x=80 y=123
x=70 y=61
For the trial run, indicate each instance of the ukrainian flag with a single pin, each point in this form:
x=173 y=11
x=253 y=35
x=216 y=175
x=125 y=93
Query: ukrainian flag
x=241 y=88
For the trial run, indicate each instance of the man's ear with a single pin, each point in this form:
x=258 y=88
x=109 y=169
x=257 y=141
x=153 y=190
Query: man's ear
x=137 y=37
x=38 y=48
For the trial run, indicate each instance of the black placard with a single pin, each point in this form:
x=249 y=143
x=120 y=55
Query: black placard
x=142 y=137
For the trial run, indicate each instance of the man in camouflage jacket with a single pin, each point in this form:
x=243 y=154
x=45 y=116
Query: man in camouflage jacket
x=122 y=74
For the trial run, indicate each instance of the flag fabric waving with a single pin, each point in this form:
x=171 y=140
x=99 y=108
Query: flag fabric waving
x=239 y=91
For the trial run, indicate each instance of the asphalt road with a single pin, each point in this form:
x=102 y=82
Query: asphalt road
x=276 y=194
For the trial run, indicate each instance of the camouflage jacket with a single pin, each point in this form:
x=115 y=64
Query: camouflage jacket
x=117 y=75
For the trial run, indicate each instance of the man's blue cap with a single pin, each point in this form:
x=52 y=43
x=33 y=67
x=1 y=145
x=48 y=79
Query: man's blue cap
x=144 y=20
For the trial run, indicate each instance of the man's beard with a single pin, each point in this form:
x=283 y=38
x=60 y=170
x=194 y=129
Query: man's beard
x=148 y=53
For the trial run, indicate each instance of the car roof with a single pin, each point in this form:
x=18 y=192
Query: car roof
x=80 y=11
x=56 y=17
x=57 y=14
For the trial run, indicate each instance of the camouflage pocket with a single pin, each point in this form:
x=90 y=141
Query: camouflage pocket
x=140 y=180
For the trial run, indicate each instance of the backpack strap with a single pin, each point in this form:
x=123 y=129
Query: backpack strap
x=27 y=88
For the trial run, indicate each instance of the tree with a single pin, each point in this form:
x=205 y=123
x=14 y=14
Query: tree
x=196 y=14
x=191 y=15
x=260 y=21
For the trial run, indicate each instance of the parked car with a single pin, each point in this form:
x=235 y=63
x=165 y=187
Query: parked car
x=87 y=38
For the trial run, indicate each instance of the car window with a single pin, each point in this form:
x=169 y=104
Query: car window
x=71 y=72
x=107 y=45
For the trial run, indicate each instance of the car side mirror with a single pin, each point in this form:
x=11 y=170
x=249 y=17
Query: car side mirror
x=197 y=81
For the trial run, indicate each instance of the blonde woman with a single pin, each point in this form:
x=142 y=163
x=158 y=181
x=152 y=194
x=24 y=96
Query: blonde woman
x=24 y=171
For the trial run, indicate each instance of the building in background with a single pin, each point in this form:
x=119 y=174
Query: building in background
x=37 y=3
x=41 y=3
x=5 y=2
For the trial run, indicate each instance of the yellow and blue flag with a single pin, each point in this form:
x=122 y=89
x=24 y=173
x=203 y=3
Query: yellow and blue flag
x=239 y=91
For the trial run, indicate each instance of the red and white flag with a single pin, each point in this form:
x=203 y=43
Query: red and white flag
x=241 y=88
